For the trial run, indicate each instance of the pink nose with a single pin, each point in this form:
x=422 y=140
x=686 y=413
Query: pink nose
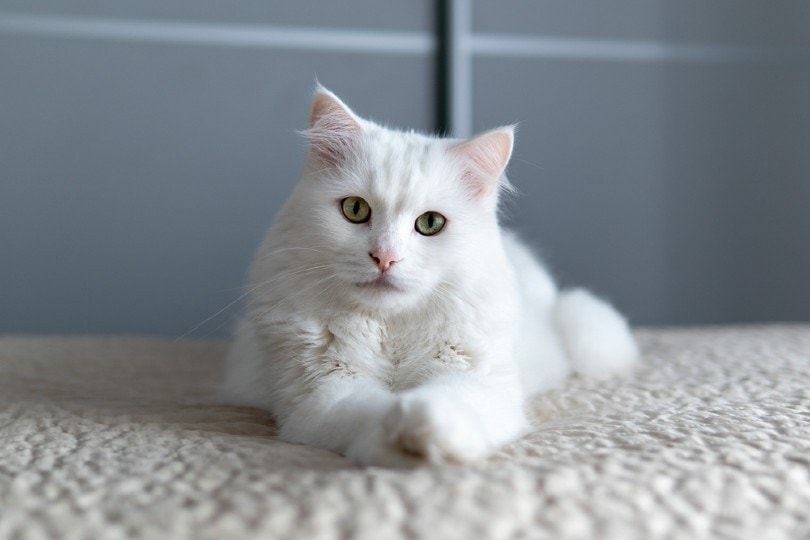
x=384 y=258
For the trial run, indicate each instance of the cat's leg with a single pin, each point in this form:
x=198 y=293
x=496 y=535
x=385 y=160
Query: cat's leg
x=595 y=336
x=346 y=415
x=457 y=418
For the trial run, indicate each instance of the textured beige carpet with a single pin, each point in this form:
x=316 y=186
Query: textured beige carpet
x=118 y=437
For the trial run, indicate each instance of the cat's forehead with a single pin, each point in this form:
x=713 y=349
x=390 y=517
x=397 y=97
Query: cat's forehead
x=401 y=166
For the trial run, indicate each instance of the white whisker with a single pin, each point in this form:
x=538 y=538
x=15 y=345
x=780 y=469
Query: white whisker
x=266 y=312
x=294 y=248
x=254 y=288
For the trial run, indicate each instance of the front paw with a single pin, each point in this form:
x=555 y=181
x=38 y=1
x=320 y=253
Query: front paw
x=373 y=448
x=436 y=429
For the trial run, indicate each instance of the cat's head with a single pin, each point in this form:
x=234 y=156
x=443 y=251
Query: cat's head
x=396 y=216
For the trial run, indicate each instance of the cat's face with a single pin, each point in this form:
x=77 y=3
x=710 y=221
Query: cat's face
x=396 y=216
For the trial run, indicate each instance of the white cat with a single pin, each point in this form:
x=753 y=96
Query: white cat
x=390 y=318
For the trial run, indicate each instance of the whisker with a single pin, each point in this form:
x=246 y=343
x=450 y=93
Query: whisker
x=198 y=325
x=283 y=275
x=280 y=250
x=247 y=292
x=298 y=293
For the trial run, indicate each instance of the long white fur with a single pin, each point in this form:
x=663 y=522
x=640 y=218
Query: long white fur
x=440 y=369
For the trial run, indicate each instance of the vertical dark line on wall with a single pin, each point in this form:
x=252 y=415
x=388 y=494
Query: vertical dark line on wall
x=454 y=62
x=442 y=66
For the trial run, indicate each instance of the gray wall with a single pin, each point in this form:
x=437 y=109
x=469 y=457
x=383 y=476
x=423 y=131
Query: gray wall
x=664 y=148
x=145 y=146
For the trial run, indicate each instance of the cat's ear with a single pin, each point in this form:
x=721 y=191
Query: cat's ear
x=483 y=160
x=333 y=128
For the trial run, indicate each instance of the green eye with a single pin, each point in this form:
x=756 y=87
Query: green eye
x=356 y=209
x=430 y=223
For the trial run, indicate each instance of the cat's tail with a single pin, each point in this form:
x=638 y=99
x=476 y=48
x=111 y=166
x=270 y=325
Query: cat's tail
x=595 y=336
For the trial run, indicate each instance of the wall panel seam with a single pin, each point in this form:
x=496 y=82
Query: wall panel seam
x=234 y=35
x=624 y=50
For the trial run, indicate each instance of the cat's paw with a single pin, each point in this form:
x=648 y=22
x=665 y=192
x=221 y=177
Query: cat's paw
x=374 y=449
x=436 y=429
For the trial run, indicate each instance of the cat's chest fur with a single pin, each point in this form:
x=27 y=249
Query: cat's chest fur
x=400 y=352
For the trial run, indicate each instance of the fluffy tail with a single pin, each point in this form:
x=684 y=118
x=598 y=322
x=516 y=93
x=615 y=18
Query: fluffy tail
x=595 y=336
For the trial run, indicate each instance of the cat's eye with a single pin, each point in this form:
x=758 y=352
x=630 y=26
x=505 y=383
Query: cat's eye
x=430 y=223
x=356 y=209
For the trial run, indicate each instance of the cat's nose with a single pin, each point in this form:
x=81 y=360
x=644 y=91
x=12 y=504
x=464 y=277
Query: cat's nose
x=384 y=258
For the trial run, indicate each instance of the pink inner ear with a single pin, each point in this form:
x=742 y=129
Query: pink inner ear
x=485 y=159
x=332 y=128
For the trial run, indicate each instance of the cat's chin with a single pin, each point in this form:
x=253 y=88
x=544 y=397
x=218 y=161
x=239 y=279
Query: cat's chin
x=381 y=284
x=384 y=294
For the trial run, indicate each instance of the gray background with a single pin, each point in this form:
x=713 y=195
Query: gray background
x=662 y=155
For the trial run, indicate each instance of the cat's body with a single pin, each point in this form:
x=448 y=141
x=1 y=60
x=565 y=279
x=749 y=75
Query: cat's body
x=390 y=318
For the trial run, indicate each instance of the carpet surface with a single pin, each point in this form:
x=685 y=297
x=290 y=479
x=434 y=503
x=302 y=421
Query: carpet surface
x=121 y=438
